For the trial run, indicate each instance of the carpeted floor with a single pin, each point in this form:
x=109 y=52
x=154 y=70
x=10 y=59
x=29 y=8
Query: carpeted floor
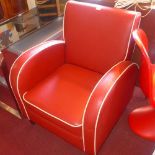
x=20 y=137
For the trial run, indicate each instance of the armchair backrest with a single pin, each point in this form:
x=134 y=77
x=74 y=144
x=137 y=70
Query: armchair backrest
x=98 y=37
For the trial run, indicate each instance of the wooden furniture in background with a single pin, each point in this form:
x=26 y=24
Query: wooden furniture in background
x=1 y=12
x=10 y=8
x=49 y=9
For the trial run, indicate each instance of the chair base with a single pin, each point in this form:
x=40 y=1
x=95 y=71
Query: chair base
x=142 y=122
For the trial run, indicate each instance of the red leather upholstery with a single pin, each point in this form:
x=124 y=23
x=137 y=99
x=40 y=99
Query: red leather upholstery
x=110 y=106
x=36 y=71
x=68 y=88
x=142 y=120
x=145 y=69
x=75 y=91
x=91 y=44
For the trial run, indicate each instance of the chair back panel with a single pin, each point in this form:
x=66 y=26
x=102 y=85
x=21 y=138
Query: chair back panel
x=97 y=37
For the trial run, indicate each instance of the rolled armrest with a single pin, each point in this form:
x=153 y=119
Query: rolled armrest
x=34 y=65
x=106 y=103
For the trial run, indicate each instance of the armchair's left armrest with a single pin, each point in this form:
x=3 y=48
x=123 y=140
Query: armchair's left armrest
x=34 y=65
x=106 y=103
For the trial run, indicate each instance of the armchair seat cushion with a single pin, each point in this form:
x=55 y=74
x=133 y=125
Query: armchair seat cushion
x=63 y=94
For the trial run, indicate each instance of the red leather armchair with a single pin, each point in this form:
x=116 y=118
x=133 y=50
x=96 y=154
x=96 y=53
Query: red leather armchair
x=78 y=87
x=142 y=120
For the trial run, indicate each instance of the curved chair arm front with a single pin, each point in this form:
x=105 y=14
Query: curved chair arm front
x=33 y=66
x=142 y=119
x=145 y=74
x=106 y=103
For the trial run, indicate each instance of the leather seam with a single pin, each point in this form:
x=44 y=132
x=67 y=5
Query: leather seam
x=89 y=100
x=127 y=50
x=105 y=100
x=53 y=43
x=75 y=126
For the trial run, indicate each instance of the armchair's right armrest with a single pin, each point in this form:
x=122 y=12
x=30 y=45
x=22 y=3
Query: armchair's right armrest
x=106 y=103
x=34 y=65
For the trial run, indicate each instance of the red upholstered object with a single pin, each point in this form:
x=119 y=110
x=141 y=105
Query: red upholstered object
x=68 y=88
x=91 y=44
x=145 y=69
x=43 y=69
x=142 y=120
x=78 y=88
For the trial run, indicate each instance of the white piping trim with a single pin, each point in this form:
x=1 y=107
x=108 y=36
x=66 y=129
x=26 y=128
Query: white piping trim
x=90 y=94
x=127 y=51
x=104 y=101
x=99 y=6
x=89 y=100
x=11 y=82
x=132 y=34
x=87 y=4
x=135 y=35
x=51 y=43
x=75 y=126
